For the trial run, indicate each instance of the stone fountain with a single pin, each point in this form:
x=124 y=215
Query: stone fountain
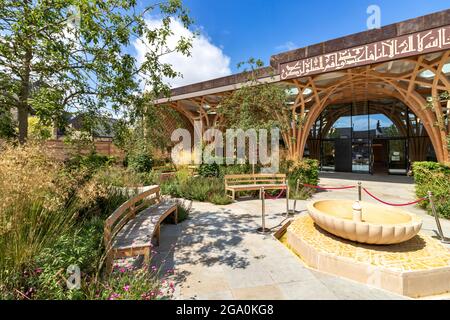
x=377 y=245
x=364 y=222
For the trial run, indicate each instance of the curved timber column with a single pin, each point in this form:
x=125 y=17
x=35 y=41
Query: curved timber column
x=370 y=84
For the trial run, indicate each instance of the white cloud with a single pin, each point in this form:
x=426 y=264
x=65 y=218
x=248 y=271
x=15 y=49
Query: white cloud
x=287 y=46
x=206 y=61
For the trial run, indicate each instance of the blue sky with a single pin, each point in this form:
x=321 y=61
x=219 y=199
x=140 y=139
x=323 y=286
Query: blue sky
x=235 y=30
x=261 y=28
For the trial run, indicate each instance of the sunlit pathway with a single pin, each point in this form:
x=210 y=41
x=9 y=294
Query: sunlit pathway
x=217 y=253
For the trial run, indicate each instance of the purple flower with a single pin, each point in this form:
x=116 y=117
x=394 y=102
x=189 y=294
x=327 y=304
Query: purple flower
x=126 y=288
x=114 y=296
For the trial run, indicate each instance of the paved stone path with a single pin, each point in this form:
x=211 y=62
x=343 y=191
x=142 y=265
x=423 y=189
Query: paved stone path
x=217 y=253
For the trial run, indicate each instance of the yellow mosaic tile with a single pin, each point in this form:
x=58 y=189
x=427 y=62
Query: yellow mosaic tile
x=420 y=253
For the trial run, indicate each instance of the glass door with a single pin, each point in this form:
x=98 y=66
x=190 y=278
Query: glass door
x=397 y=156
x=361 y=155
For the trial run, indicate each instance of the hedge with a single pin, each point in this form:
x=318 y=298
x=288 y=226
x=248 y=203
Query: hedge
x=435 y=177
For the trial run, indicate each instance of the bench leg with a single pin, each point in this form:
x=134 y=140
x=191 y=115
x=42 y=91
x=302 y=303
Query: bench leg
x=158 y=234
x=147 y=256
x=176 y=215
x=109 y=262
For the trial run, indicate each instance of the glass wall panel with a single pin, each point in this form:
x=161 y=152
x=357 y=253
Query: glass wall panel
x=384 y=126
x=328 y=155
x=360 y=120
x=337 y=122
x=377 y=137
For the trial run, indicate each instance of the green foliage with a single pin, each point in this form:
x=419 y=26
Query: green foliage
x=220 y=199
x=37 y=130
x=7 y=125
x=253 y=107
x=183 y=211
x=257 y=105
x=195 y=188
x=81 y=246
x=434 y=177
x=130 y=283
x=74 y=55
x=140 y=162
x=125 y=177
x=52 y=216
x=209 y=170
x=237 y=169
x=305 y=171
x=92 y=162
x=21 y=241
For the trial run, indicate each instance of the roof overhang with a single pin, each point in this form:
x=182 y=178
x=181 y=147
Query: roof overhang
x=418 y=36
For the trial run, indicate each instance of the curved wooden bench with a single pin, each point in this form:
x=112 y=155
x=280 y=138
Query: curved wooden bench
x=252 y=182
x=130 y=229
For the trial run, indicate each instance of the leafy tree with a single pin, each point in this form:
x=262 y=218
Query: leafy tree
x=73 y=55
x=257 y=104
x=145 y=135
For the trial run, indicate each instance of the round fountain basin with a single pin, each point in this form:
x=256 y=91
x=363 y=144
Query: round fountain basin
x=379 y=225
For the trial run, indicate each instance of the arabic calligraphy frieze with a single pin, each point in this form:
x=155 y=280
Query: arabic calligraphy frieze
x=401 y=47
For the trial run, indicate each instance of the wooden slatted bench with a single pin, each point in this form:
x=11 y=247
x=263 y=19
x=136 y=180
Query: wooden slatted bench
x=130 y=229
x=252 y=182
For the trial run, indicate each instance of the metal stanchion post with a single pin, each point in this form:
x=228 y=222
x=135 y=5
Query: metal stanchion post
x=287 y=198
x=263 y=228
x=359 y=191
x=436 y=217
x=296 y=194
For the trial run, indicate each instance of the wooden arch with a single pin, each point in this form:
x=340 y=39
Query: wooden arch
x=366 y=83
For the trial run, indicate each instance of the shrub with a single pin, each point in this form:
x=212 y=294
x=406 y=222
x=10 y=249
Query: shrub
x=52 y=217
x=124 y=177
x=305 y=171
x=195 y=188
x=183 y=211
x=140 y=162
x=130 y=283
x=236 y=169
x=220 y=199
x=92 y=161
x=435 y=177
x=37 y=205
x=209 y=170
x=81 y=246
x=37 y=130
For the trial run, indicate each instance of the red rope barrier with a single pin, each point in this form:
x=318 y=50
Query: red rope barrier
x=394 y=204
x=275 y=197
x=328 y=188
